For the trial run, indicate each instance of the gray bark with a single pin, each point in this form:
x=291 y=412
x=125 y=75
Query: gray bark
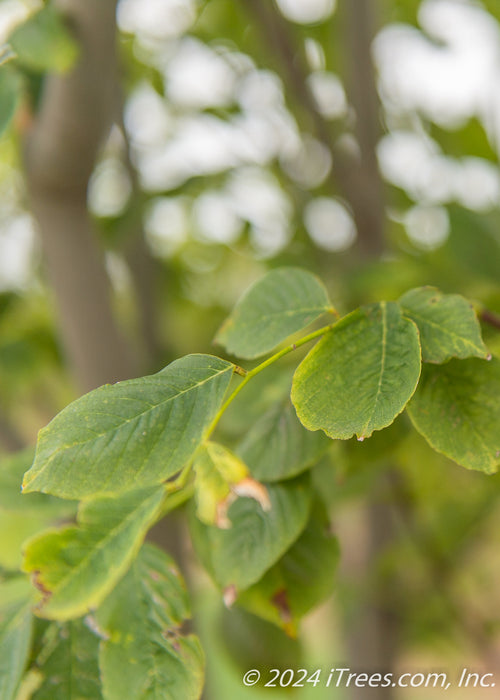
x=74 y=117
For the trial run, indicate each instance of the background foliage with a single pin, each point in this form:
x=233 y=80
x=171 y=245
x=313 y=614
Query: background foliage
x=142 y=190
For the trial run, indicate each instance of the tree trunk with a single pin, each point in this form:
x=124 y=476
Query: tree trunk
x=74 y=117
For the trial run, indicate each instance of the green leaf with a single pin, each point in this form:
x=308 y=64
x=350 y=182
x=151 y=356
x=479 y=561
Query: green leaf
x=76 y=567
x=255 y=643
x=131 y=434
x=281 y=303
x=145 y=654
x=447 y=323
x=300 y=580
x=15 y=633
x=456 y=409
x=68 y=663
x=43 y=43
x=238 y=557
x=361 y=374
x=278 y=447
x=10 y=87
x=22 y=516
x=220 y=478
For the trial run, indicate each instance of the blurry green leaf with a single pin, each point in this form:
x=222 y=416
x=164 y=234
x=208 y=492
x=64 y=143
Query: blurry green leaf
x=145 y=653
x=470 y=139
x=474 y=242
x=131 y=434
x=456 y=409
x=43 y=42
x=360 y=375
x=68 y=663
x=10 y=87
x=221 y=477
x=15 y=633
x=447 y=324
x=21 y=516
x=282 y=302
x=76 y=567
x=255 y=643
x=279 y=447
x=300 y=580
x=239 y=556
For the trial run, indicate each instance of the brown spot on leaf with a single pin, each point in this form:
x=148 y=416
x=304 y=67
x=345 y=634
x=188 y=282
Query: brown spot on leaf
x=172 y=635
x=280 y=601
x=40 y=586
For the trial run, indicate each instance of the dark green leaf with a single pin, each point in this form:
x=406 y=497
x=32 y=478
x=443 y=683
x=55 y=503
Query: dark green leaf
x=282 y=302
x=279 y=447
x=239 y=556
x=76 y=567
x=15 y=633
x=10 y=87
x=300 y=580
x=145 y=653
x=131 y=434
x=68 y=663
x=447 y=324
x=456 y=409
x=360 y=376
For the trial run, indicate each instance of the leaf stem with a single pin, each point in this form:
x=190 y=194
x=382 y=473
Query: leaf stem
x=256 y=370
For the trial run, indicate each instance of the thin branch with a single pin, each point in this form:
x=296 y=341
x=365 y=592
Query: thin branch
x=356 y=178
x=489 y=317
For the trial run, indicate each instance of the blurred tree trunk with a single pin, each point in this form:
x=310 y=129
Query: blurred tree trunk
x=373 y=634
x=74 y=117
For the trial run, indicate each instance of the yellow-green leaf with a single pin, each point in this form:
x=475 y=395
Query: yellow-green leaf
x=43 y=42
x=221 y=477
x=22 y=516
x=76 y=567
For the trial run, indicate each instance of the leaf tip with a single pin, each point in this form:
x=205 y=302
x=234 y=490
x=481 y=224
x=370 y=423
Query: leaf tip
x=253 y=489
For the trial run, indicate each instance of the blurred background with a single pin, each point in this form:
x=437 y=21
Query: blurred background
x=160 y=155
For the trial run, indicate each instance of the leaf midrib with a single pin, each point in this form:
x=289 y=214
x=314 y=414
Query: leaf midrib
x=137 y=416
x=383 y=306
